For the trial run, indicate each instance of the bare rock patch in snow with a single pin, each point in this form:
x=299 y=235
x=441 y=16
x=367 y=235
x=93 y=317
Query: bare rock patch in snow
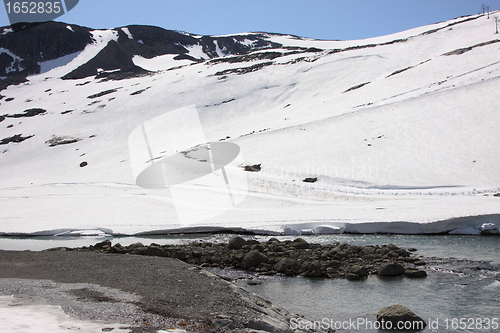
x=15 y=138
x=28 y=113
x=253 y=168
x=356 y=87
x=61 y=140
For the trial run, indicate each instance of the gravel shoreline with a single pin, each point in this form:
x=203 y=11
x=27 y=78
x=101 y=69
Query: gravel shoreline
x=144 y=293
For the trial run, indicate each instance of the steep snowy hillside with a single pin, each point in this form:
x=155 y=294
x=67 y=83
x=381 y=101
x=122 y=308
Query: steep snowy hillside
x=392 y=134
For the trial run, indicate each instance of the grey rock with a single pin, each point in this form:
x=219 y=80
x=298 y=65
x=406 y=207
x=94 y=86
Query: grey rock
x=398 y=313
x=155 y=251
x=359 y=270
x=268 y=324
x=257 y=247
x=181 y=255
x=135 y=245
x=393 y=269
x=419 y=263
x=253 y=259
x=352 y=276
x=368 y=250
x=284 y=265
x=415 y=273
x=236 y=243
x=141 y=250
x=300 y=243
x=102 y=244
x=312 y=269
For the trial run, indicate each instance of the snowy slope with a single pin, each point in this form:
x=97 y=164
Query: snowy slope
x=400 y=131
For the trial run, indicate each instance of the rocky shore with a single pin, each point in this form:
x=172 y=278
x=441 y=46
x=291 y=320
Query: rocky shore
x=167 y=288
x=291 y=258
x=144 y=294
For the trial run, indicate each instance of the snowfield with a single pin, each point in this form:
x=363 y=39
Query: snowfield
x=402 y=133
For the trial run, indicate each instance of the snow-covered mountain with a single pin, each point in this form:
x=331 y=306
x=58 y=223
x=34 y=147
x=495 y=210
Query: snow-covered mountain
x=392 y=134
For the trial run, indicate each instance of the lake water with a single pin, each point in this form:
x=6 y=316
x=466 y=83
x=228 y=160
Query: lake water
x=451 y=291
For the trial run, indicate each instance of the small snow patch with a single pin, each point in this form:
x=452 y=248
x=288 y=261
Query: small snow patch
x=129 y=35
x=70 y=28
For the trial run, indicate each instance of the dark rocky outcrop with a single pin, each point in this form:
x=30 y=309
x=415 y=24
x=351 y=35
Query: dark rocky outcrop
x=291 y=258
x=400 y=317
x=39 y=42
x=32 y=43
x=15 y=138
x=28 y=113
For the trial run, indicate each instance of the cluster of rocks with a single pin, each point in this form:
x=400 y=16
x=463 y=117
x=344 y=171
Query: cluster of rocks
x=291 y=258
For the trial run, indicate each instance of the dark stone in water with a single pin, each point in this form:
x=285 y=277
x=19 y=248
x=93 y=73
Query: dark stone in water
x=415 y=273
x=359 y=270
x=393 y=269
x=397 y=313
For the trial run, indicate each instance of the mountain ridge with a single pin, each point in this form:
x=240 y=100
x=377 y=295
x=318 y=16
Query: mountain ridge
x=398 y=132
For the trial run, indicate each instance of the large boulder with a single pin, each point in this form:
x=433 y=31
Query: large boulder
x=400 y=317
x=236 y=243
x=358 y=270
x=155 y=251
x=300 y=243
x=393 y=269
x=312 y=269
x=253 y=259
x=104 y=244
x=284 y=265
